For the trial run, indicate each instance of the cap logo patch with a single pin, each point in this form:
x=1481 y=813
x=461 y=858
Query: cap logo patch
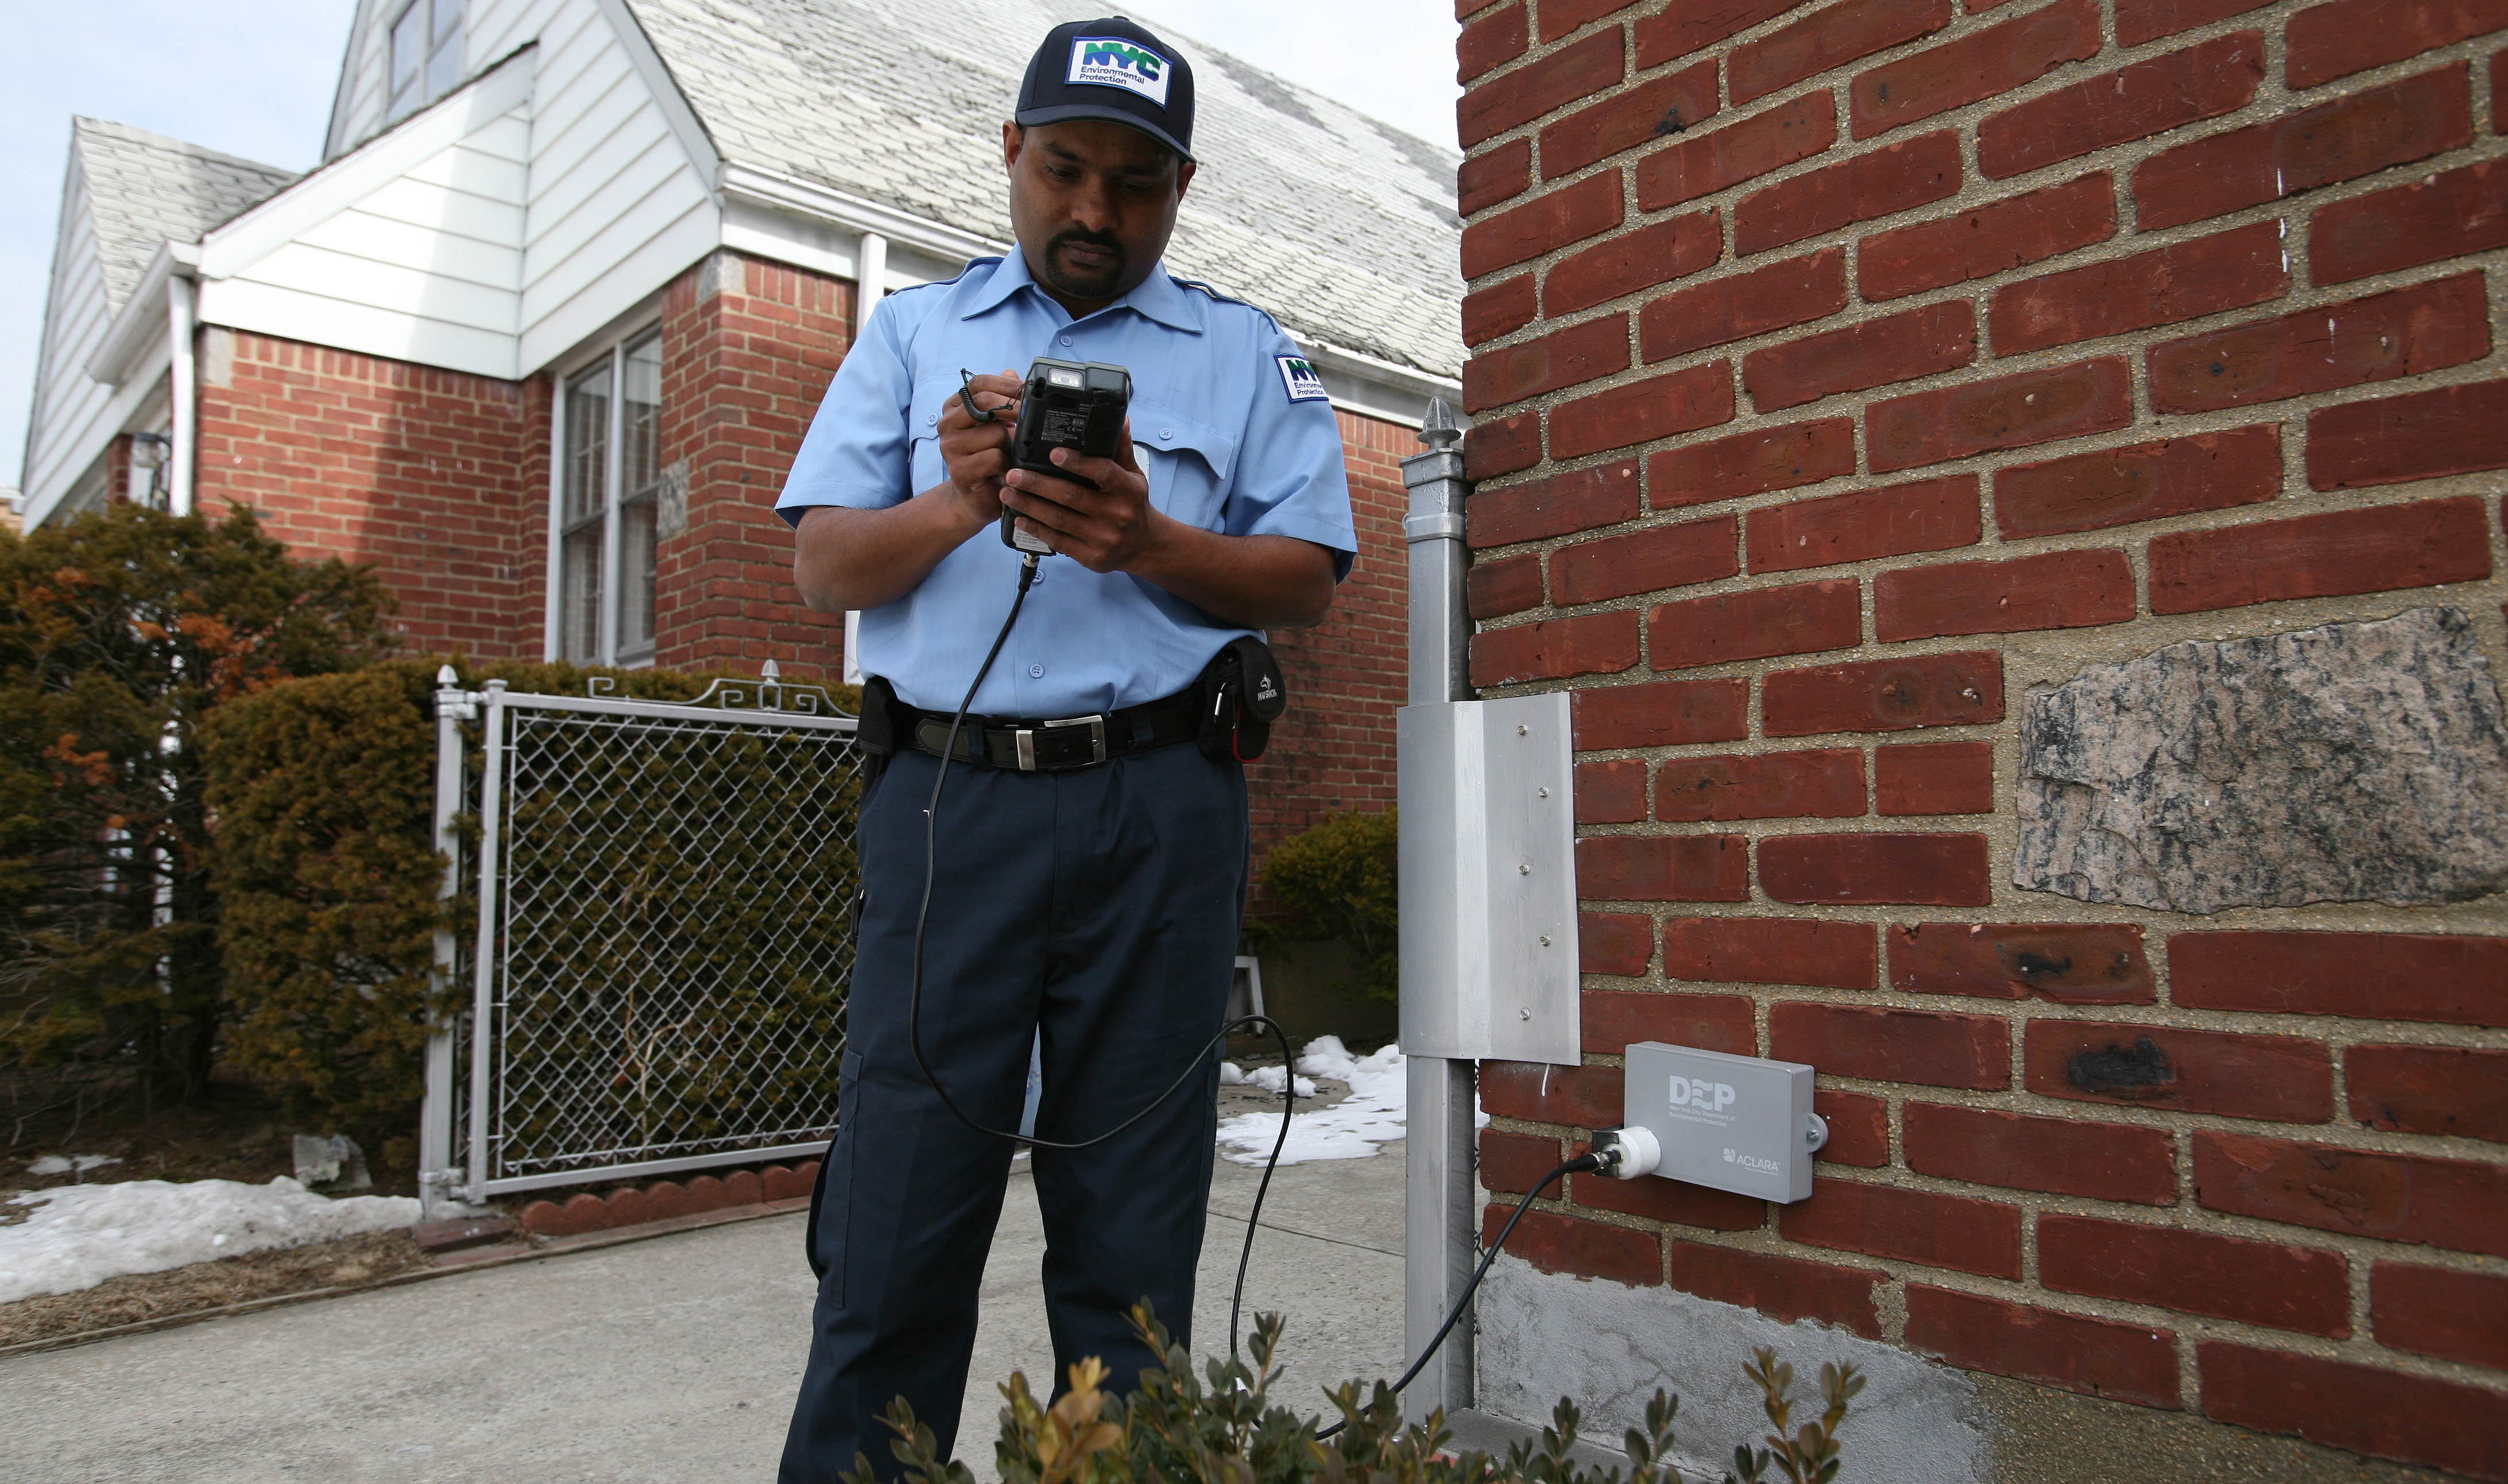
x=1110 y=61
x=1298 y=375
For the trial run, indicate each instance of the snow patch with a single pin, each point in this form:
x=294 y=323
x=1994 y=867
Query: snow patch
x=70 y=1163
x=1348 y=1129
x=77 y=1237
x=1268 y=1078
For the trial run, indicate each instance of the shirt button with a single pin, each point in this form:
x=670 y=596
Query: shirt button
x=1167 y=433
x=1035 y=672
x=1066 y=340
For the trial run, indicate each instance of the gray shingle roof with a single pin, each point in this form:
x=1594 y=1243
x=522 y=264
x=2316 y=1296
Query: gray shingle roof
x=145 y=189
x=1343 y=227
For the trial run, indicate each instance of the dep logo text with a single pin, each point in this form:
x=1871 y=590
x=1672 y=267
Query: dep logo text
x=1706 y=1096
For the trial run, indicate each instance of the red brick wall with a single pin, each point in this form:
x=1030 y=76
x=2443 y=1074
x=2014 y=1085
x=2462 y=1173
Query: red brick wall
x=436 y=478
x=1841 y=367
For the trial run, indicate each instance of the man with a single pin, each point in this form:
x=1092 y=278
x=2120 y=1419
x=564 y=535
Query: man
x=1086 y=892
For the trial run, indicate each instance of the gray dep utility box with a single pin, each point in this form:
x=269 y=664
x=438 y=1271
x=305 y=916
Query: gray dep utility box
x=1735 y=1122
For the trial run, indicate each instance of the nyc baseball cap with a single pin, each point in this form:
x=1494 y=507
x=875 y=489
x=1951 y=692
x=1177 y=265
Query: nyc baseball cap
x=1110 y=69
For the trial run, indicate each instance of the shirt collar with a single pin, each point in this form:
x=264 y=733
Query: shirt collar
x=1157 y=297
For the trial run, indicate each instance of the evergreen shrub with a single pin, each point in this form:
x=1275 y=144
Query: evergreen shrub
x=1339 y=880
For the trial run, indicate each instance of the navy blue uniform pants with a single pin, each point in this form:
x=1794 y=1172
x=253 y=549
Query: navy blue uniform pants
x=1101 y=908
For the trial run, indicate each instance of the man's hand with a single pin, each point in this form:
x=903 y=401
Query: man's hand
x=1111 y=528
x=977 y=453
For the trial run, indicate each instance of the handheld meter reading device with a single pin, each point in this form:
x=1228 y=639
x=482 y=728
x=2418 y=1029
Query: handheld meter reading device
x=1066 y=404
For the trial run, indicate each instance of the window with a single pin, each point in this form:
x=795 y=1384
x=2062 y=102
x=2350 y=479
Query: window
x=425 y=55
x=610 y=486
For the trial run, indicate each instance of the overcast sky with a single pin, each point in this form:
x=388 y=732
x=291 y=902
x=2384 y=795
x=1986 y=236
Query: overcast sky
x=254 y=77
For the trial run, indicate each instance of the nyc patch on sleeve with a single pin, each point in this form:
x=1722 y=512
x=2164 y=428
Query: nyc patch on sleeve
x=1298 y=377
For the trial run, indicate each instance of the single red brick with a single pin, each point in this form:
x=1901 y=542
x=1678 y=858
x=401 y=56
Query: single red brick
x=1978 y=65
x=2054 y=590
x=2316 y=556
x=2419 y=435
x=2331 y=41
x=1489 y=43
x=1682 y=26
x=2451 y=1314
x=1564 y=357
x=1464 y=9
x=2067 y=963
x=2184 y=281
x=1829 y=37
x=1918 y=1226
x=2228 y=1278
x=1791 y=292
x=1755 y=624
x=1927 y=515
x=1502 y=308
x=1582 y=500
x=1878 y=1045
x=1659 y=106
x=1561 y=16
x=1935 y=778
x=1828 y=783
x=1926 y=870
x=2340 y=140
x=785 y=1184
x=1639 y=412
x=1580 y=1096
x=1784 y=1288
x=707 y=1194
x=1645 y=561
x=2283 y=1079
x=2141 y=21
x=2376 y=1410
x=1510 y=1162
x=1584 y=1248
x=1770 y=950
x=2445 y=322
x=1744 y=150
x=1614 y=943
x=2202 y=82
x=1895 y=348
x=1963 y=690
x=742 y=1187
x=667 y=1198
x=1664 y=714
x=1498 y=446
x=2444 y=1090
x=1663 y=868
x=1615 y=1019
x=2072 y=1352
x=1612 y=793
x=1877 y=183
x=1494 y=589
x=1671 y=1201
x=1500 y=174
x=1668 y=250
x=1859 y=1128
x=2370 y=975
x=2499 y=93
x=1988 y=239
x=1529 y=92
x=1588 y=644
x=2147 y=481
x=2062 y=1156
x=2449 y=215
x=2005 y=412
x=1568 y=214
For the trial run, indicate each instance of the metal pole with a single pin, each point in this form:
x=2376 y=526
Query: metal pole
x=1440 y=1200
x=483 y=958
x=436 y=1176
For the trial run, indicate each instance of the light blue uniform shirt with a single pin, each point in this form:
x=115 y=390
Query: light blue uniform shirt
x=1231 y=429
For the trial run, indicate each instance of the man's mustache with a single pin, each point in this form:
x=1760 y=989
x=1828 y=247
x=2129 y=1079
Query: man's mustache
x=1081 y=237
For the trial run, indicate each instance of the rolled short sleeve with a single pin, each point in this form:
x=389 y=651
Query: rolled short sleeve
x=1292 y=477
x=859 y=449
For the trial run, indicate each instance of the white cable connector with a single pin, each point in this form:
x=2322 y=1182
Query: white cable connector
x=1627 y=1152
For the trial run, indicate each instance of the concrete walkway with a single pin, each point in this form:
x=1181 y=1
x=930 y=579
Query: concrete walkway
x=673 y=1359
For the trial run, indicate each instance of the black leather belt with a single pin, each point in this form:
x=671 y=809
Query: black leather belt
x=1064 y=743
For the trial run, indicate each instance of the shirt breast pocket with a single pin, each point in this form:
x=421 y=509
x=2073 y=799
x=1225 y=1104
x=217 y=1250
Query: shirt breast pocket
x=932 y=395
x=1189 y=463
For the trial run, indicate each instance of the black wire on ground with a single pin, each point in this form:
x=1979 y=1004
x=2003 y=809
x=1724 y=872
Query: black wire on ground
x=1578 y=1165
x=914 y=998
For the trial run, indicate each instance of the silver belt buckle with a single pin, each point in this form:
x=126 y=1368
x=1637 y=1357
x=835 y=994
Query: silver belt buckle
x=1096 y=725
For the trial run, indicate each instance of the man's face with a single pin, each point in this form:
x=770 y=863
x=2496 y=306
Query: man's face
x=1093 y=204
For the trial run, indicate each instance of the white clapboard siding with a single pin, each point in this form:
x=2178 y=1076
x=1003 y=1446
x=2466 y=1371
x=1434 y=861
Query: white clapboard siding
x=565 y=327
x=316 y=320
x=73 y=417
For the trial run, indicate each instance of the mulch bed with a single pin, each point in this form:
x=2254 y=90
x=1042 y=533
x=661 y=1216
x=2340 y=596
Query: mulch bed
x=137 y=1297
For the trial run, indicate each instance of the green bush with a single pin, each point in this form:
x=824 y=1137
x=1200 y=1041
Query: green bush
x=1338 y=882
x=123 y=633
x=324 y=792
x=1172 y=1429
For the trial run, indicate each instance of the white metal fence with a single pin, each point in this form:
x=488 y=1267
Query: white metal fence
x=664 y=935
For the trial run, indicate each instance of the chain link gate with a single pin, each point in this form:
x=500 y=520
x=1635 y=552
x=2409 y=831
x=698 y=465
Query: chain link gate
x=664 y=933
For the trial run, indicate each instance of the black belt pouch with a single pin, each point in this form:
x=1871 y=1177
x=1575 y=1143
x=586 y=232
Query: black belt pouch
x=1243 y=693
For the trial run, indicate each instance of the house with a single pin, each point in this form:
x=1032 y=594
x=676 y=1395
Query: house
x=540 y=335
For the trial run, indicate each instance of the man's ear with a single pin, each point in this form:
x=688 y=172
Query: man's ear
x=1184 y=176
x=1013 y=137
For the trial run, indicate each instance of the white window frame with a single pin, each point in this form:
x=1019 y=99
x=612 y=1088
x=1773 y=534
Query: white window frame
x=422 y=90
x=612 y=352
